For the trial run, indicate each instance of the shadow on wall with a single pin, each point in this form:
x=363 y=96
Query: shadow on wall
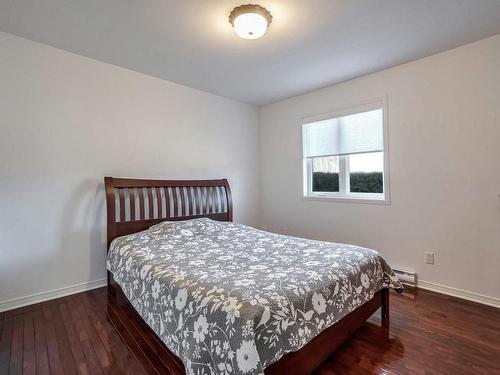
x=83 y=233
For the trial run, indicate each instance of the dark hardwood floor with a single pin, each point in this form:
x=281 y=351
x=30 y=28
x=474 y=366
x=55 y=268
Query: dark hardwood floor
x=84 y=334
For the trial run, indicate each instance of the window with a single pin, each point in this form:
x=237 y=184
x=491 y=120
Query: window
x=345 y=155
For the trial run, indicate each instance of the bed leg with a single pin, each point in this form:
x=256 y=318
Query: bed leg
x=385 y=313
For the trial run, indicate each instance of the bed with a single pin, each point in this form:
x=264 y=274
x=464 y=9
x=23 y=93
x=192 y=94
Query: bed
x=226 y=298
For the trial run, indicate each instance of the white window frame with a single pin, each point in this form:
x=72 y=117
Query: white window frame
x=342 y=195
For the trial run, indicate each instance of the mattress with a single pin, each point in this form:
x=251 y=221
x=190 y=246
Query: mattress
x=228 y=298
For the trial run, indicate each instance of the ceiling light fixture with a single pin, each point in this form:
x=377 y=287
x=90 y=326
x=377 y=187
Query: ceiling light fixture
x=250 y=21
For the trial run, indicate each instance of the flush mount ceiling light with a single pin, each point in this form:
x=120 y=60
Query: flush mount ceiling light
x=250 y=21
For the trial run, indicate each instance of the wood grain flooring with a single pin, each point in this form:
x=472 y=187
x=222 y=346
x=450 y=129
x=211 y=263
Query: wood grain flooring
x=88 y=333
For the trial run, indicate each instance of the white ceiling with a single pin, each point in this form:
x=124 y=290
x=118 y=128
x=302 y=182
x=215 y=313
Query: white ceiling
x=310 y=44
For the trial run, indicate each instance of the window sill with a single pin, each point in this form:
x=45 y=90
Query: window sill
x=347 y=199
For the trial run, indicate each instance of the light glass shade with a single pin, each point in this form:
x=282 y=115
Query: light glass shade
x=250 y=25
x=250 y=21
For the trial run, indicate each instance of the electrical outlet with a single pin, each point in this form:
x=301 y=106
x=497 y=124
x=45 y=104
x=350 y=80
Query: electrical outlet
x=429 y=257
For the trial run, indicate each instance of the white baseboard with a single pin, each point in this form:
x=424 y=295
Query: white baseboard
x=454 y=292
x=52 y=294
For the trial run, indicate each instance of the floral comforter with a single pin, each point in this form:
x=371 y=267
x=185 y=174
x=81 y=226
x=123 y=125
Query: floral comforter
x=230 y=299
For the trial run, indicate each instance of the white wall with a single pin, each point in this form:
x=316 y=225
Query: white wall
x=66 y=122
x=444 y=140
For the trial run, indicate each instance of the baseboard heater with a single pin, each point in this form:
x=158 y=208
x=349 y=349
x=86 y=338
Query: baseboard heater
x=406 y=278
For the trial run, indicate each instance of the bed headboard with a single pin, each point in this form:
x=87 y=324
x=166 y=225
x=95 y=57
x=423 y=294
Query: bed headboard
x=134 y=205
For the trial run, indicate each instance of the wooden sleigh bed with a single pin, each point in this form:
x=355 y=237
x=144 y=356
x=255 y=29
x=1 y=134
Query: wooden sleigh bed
x=134 y=205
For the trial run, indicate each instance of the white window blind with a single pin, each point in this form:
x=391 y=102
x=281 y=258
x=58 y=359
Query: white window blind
x=350 y=134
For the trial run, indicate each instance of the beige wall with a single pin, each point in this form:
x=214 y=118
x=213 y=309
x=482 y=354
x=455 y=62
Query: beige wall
x=66 y=122
x=444 y=142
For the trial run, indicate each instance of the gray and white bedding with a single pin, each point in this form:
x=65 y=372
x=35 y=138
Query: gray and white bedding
x=231 y=299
